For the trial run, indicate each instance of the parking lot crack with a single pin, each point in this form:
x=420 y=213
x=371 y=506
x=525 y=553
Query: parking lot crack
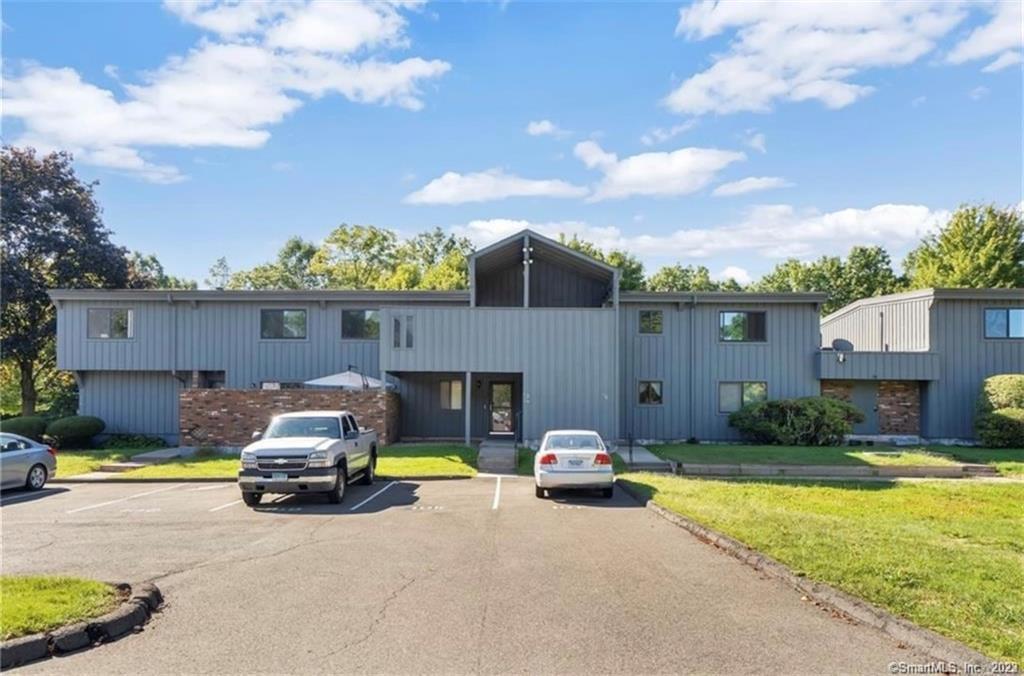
x=378 y=618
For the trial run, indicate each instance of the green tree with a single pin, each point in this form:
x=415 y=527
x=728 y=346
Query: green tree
x=146 y=272
x=675 y=278
x=291 y=270
x=980 y=247
x=439 y=261
x=631 y=270
x=219 y=275
x=355 y=257
x=53 y=237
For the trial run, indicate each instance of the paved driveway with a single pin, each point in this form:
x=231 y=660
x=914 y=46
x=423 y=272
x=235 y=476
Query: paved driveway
x=453 y=576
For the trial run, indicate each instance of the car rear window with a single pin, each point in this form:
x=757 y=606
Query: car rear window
x=583 y=442
x=303 y=427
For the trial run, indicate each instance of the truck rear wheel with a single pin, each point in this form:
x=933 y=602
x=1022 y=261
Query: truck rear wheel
x=370 y=471
x=337 y=494
x=252 y=499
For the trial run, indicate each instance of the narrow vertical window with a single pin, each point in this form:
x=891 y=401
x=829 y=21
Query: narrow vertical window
x=650 y=321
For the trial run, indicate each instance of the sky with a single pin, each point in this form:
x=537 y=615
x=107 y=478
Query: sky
x=726 y=134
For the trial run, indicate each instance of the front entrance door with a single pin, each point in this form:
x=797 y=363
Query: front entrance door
x=502 y=418
x=865 y=397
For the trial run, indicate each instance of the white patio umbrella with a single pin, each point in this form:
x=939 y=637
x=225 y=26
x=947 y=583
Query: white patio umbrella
x=349 y=380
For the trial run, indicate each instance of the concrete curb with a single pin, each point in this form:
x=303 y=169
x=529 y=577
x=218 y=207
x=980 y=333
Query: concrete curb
x=129 y=616
x=876 y=471
x=938 y=647
x=209 y=480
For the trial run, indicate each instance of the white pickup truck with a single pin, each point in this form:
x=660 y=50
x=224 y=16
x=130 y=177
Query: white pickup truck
x=307 y=452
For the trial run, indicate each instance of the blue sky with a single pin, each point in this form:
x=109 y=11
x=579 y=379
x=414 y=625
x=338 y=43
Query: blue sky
x=730 y=135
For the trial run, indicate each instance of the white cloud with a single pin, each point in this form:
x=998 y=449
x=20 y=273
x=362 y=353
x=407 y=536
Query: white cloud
x=1004 y=60
x=757 y=142
x=750 y=184
x=544 y=128
x=1001 y=36
x=770 y=231
x=918 y=101
x=978 y=93
x=223 y=92
x=490 y=185
x=678 y=172
x=660 y=134
x=734 y=272
x=796 y=51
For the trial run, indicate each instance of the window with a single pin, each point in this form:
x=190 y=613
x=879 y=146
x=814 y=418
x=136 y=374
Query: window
x=1004 y=323
x=213 y=380
x=402 y=331
x=360 y=324
x=282 y=324
x=451 y=395
x=346 y=426
x=573 y=442
x=741 y=327
x=734 y=396
x=302 y=426
x=650 y=393
x=276 y=385
x=650 y=321
x=110 y=323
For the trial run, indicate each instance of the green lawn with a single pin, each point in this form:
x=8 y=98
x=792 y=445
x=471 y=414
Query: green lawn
x=524 y=462
x=1006 y=461
x=199 y=466
x=413 y=460
x=946 y=555
x=33 y=604
x=70 y=463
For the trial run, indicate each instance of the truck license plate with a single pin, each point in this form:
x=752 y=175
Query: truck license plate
x=279 y=476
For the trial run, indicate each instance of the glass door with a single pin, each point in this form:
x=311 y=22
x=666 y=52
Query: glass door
x=502 y=418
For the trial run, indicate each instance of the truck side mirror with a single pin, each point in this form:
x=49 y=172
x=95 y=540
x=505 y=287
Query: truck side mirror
x=256 y=435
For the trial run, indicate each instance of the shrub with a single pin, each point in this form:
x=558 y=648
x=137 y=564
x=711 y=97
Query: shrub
x=133 y=441
x=31 y=426
x=1003 y=428
x=808 y=421
x=1003 y=391
x=74 y=431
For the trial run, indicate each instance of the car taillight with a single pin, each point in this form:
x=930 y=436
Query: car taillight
x=549 y=459
x=602 y=459
x=52 y=451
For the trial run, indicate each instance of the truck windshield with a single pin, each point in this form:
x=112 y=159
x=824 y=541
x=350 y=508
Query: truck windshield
x=567 y=442
x=303 y=427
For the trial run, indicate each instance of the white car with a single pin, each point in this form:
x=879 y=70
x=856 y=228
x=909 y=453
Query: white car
x=573 y=459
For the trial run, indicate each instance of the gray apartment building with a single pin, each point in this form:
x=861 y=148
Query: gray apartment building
x=542 y=339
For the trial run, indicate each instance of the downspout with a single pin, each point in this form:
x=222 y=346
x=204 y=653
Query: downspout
x=693 y=363
x=619 y=412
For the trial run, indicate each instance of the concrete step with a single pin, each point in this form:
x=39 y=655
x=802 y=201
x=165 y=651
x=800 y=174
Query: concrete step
x=158 y=455
x=497 y=457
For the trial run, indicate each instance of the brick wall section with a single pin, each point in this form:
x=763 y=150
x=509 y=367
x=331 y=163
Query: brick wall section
x=837 y=389
x=899 y=407
x=209 y=417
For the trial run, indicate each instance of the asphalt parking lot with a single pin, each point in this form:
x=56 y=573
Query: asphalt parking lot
x=439 y=576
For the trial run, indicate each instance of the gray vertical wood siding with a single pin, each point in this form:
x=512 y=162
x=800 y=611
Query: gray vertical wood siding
x=967 y=358
x=898 y=325
x=566 y=358
x=785 y=362
x=132 y=402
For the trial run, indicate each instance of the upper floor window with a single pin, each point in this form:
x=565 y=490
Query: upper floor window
x=742 y=327
x=1004 y=323
x=402 y=331
x=734 y=396
x=650 y=321
x=649 y=393
x=110 y=323
x=451 y=395
x=282 y=324
x=360 y=324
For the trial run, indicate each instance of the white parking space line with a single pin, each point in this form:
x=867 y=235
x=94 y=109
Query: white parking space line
x=373 y=496
x=230 y=504
x=497 y=494
x=211 y=488
x=130 y=497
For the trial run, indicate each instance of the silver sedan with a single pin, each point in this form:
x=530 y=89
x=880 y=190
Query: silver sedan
x=25 y=463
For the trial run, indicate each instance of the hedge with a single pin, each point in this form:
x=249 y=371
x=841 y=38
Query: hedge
x=1002 y=391
x=1003 y=428
x=74 y=431
x=808 y=421
x=31 y=426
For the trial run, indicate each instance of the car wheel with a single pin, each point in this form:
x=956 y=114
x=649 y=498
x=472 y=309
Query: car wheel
x=539 y=492
x=252 y=499
x=607 y=492
x=338 y=493
x=36 y=478
x=368 y=473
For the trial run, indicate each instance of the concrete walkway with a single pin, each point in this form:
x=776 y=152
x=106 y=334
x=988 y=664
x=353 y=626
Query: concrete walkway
x=643 y=459
x=498 y=457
